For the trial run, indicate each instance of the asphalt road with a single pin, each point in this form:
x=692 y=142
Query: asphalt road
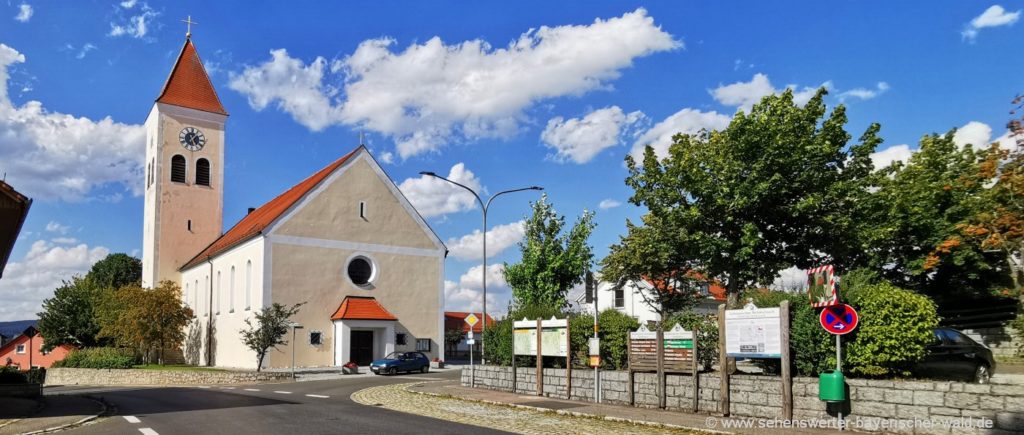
x=314 y=407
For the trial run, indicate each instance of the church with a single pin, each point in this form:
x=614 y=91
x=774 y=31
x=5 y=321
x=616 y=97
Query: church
x=344 y=242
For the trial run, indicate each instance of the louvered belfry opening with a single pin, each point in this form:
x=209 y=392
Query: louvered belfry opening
x=203 y=172
x=178 y=169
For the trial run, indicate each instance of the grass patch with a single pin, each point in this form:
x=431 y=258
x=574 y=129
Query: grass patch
x=177 y=368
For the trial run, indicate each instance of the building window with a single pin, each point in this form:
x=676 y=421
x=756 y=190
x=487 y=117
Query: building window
x=620 y=298
x=189 y=225
x=178 y=168
x=20 y=349
x=195 y=298
x=217 y=291
x=206 y=298
x=423 y=344
x=248 y=284
x=203 y=172
x=400 y=339
x=231 y=290
x=186 y=295
x=360 y=271
x=316 y=338
x=362 y=210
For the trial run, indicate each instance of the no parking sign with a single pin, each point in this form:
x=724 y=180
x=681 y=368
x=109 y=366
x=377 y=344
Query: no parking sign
x=838 y=319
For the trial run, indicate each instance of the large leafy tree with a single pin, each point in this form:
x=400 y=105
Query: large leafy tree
x=269 y=329
x=69 y=316
x=916 y=241
x=145 y=319
x=778 y=187
x=552 y=260
x=116 y=270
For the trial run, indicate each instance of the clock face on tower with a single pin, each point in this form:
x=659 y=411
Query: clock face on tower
x=192 y=139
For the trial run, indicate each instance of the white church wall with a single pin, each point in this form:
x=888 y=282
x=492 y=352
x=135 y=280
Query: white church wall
x=228 y=308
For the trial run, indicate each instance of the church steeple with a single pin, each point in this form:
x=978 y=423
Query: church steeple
x=189 y=85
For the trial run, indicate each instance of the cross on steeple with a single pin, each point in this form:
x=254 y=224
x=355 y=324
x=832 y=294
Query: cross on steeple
x=189 y=22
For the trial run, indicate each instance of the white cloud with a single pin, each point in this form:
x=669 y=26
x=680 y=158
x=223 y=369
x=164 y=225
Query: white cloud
x=64 y=240
x=864 y=93
x=27 y=282
x=745 y=94
x=432 y=93
x=135 y=26
x=467 y=294
x=974 y=133
x=434 y=197
x=56 y=227
x=888 y=156
x=387 y=157
x=52 y=155
x=994 y=16
x=85 y=50
x=687 y=121
x=499 y=238
x=580 y=140
x=24 y=13
x=608 y=203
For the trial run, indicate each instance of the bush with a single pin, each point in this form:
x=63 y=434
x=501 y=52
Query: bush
x=99 y=358
x=895 y=327
x=707 y=335
x=11 y=375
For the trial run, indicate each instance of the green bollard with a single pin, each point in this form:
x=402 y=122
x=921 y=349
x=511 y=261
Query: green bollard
x=831 y=387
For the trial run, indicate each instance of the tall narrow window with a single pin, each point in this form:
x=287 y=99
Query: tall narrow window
x=178 y=168
x=248 y=285
x=187 y=299
x=218 y=290
x=203 y=172
x=195 y=298
x=206 y=296
x=231 y=290
x=362 y=210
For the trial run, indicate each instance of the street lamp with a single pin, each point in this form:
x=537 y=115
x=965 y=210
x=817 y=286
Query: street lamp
x=294 y=326
x=484 y=206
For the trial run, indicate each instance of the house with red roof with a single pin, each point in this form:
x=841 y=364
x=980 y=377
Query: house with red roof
x=343 y=242
x=630 y=297
x=25 y=351
x=456 y=321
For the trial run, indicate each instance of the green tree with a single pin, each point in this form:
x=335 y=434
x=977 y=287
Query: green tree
x=146 y=320
x=116 y=271
x=452 y=338
x=269 y=329
x=552 y=261
x=778 y=187
x=69 y=317
x=916 y=241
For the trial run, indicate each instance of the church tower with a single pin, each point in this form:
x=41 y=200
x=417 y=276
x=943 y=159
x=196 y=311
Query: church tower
x=184 y=185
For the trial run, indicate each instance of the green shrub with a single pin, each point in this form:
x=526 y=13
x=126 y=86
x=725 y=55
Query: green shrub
x=100 y=358
x=707 y=335
x=11 y=375
x=895 y=327
x=614 y=328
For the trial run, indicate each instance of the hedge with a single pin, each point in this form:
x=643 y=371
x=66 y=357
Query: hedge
x=100 y=358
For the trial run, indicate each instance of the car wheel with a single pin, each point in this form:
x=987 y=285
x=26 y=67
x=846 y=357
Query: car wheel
x=982 y=375
x=392 y=371
x=424 y=369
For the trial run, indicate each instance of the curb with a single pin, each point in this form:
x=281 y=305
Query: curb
x=103 y=410
x=571 y=413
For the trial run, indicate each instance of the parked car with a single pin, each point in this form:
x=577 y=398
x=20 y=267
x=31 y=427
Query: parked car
x=953 y=355
x=401 y=362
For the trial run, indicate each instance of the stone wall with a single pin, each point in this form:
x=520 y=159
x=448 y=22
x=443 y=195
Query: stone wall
x=73 y=376
x=761 y=396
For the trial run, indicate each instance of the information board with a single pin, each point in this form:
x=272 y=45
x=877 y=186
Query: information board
x=753 y=333
x=677 y=345
x=554 y=340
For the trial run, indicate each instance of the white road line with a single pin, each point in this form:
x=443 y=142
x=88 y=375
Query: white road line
x=283 y=392
x=252 y=389
x=204 y=386
x=148 y=431
x=318 y=396
x=132 y=419
x=227 y=388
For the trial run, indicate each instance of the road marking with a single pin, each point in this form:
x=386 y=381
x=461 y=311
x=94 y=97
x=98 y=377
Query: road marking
x=227 y=388
x=318 y=396
x=283 y=392
x=148 y=431
x=132 y=419
x=204 y=386
x=252 y=389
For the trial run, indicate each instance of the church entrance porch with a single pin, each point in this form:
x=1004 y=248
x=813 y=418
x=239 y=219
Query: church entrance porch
x=361 y=350
x=363 y=331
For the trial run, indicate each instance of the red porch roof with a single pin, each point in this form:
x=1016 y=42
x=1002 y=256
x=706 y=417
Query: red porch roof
x=361 y=308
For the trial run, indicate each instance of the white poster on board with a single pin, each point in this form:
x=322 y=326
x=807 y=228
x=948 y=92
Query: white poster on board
x=753 y=333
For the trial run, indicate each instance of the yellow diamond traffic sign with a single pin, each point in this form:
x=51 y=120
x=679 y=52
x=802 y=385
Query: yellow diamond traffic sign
x=471 y=319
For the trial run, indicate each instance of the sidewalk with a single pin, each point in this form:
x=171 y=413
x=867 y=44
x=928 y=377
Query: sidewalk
x=700 y=422
x=56 y=411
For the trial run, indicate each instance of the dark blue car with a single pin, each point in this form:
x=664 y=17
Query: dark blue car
x=401 y=362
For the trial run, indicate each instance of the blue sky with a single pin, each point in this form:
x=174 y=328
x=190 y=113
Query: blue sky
x=499 y=95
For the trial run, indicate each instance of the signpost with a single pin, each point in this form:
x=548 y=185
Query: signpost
x=471 y=320
x=543 y=338
x=754 y=332
x=839 y=319
x=673 y=351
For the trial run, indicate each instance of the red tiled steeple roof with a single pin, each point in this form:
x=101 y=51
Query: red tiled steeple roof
x=254 y=223
x=361 y=308
x=189 y=85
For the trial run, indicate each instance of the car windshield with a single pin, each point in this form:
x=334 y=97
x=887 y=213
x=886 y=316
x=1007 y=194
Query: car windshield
x=395 y=355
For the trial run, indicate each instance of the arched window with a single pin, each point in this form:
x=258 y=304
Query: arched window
x=218 y=291
x=195 y=297
x=248 y=285
x=203 y=172
x=231 y=290
x=178 y=168
x=186 y=295
x=206 y=298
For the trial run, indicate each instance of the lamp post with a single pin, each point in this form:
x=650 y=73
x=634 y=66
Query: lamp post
x=294 y=326
x=484 y=206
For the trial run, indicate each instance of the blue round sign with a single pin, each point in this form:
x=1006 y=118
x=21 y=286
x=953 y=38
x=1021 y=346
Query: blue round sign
x=839 y=319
